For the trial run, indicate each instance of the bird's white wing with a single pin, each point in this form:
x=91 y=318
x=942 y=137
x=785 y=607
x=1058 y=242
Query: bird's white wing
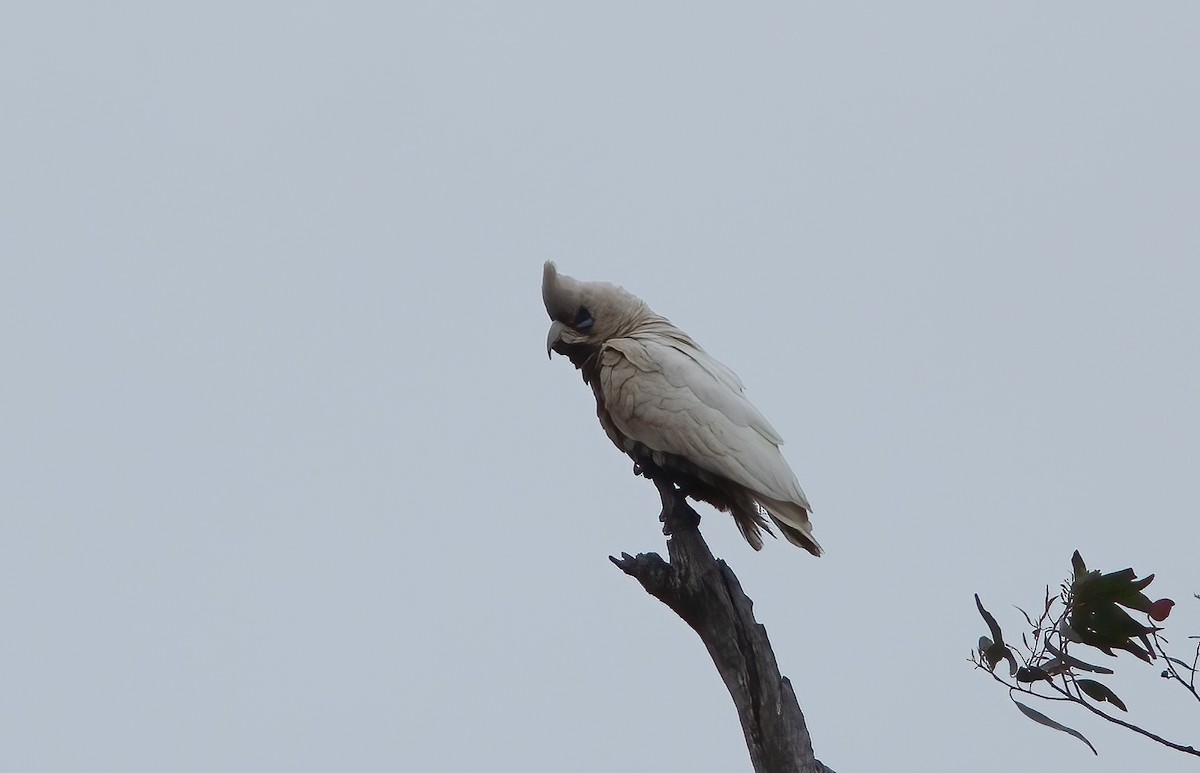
x=675 y=398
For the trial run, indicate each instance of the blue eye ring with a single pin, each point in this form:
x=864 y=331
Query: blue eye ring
x=583 y=320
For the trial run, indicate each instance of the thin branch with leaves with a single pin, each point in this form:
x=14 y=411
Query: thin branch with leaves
x=1090 y=610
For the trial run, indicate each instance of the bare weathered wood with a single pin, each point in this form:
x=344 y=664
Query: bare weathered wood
x=706 y=593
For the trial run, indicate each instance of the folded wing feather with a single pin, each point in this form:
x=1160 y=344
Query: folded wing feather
x=671 y=396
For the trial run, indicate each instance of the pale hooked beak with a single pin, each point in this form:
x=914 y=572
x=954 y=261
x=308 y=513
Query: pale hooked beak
x=556 y=331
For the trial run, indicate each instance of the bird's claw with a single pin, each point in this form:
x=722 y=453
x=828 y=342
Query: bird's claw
x=675 y=511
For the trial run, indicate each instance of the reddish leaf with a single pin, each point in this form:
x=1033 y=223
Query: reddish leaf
x=1160 y=609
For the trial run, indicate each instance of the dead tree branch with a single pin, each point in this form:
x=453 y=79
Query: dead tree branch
x=706 y=593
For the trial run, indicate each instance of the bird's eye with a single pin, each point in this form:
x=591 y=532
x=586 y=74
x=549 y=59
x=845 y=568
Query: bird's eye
x=583 y=320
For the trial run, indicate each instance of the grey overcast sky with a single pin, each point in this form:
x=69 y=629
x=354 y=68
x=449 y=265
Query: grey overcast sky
x=287 y=482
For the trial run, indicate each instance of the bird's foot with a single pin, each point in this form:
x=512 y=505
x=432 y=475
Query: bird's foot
x=648 y=470
x=675 y=509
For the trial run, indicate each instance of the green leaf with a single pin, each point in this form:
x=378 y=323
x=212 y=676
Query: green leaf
x=1026 y=674
x=1096 y=588
x=1067 y=632
x=1054 y=666
x=999 y=651
x=1074 y=662
x=993 y=626
x=1141 y=584
x=1137 y=601
x=1079 y=567
x=1042 y=719
x=1107 y=626
x=990 y=652
x=1101 y=693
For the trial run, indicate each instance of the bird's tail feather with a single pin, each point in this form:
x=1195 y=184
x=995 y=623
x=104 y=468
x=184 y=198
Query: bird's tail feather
x=750 y=521
x=792 y=520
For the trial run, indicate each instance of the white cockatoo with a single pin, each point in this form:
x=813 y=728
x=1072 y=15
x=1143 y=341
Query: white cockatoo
x=678 y=413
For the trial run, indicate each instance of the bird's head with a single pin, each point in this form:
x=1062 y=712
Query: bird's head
x=585 y=314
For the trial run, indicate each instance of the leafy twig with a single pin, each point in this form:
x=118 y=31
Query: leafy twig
x=1092 y=612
